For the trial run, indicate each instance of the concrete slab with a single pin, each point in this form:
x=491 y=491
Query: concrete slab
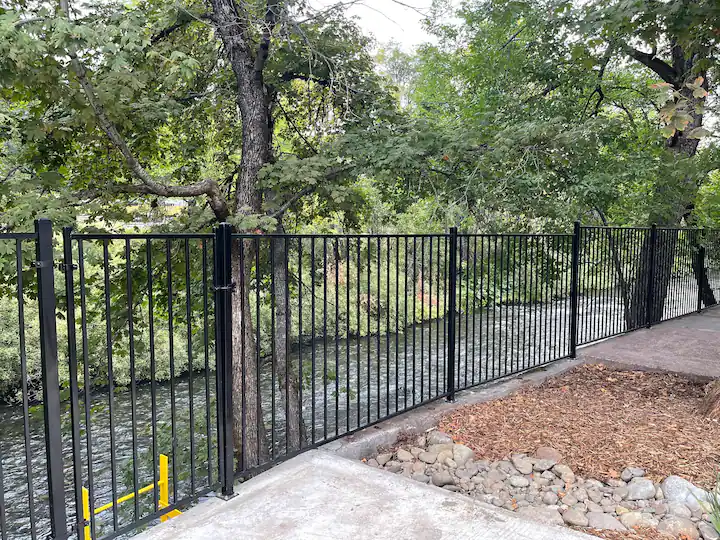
x=687 y=346
x=321 y=495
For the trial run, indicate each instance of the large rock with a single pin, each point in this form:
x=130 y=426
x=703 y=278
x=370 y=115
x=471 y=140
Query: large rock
x=571 y=516
x=636 y=519
x=543 y=514
x=519 y=481
x=522 y=464
x=462 y=454
x=679 y=509
x=707 y=531
x=678 y=489
x=640 y=488
x=428 y=457
x=631 y=472
x=675 y=526
x=544 y=464
x=565 y=473
x=382 y=459
x=404 y=455
x=548 y=452
x=442 y=478
x=438 y=437
x=601 y=520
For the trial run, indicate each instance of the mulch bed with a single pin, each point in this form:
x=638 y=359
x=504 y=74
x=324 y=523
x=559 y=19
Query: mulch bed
x=601 y=420
x=644 y=533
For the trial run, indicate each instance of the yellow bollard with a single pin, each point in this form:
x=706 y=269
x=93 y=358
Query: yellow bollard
x=164 y=490
x=86 y=512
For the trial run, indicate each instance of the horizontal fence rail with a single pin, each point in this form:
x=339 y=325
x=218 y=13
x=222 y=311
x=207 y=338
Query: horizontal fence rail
x=144 y=371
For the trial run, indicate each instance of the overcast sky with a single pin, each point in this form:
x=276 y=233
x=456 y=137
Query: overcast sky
x=387 y=20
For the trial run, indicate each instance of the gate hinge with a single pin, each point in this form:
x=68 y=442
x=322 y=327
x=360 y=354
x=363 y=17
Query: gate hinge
x=66 y=266
x=230 y=287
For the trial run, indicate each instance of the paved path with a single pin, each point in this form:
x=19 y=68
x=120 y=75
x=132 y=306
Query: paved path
x=319 y=495
x=689 y=345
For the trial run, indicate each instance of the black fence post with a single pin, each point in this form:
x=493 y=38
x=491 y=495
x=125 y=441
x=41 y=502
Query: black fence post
x=50 y=378
x=223 y=349
x=702 y=273
x=452 y=296
x=68 y=267
x=649 y=300
x=574 y=272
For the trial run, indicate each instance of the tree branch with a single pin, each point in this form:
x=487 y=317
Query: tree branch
x=512 y=38
x=264 y=46
x=208 y=187
x=666 y=72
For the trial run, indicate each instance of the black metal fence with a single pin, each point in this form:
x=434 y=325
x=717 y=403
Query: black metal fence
x=175 y=364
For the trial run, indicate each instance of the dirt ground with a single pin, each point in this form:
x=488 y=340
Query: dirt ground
x=601 y=420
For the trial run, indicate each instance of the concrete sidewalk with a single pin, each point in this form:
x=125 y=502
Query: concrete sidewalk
x=321 y=495
x=687 y=346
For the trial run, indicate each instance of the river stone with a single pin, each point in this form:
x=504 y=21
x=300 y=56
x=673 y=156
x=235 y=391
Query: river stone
x=678 y=489
x=420 y=477
x=437 y=448
x=522 y=464
x=452 y=487
x=428 y=457
x=640 y=488
x=450 y=462
x=550 y=498
x=601 y=520
x=373 y=463
x=519 y=481
x=496 y=475
x=679 y=510
x=548 y=452
x=634 y=519
x=580 y=494
x=594 y=495
x=675 y=526
x=442 y=478
x=564 y=472
x=418 y=467
x=461 y=454
x=620 y=493
x=544 y=464
x=707 y=531
x=438 y=437
x=404 y=455
x=571 y=516
x=415 y=451
x=593 y=506
x=382 y=459
x=569 y=500
x=393 y=466
x=542 y=514
x=631 y=472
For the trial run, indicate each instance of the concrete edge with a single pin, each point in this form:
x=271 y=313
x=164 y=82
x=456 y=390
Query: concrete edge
x=368 y=441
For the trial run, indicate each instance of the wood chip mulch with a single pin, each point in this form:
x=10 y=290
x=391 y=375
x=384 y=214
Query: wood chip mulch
x=638 y=533
x=601 y=420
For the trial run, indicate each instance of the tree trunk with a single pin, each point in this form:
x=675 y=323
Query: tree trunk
x=288 y=377
x=711 y=403
x=251 y=448
x=700 y=271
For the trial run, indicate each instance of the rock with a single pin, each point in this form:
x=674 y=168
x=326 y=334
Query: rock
x=640 y=488
x=600 y=520
x=679 y=510
x=675 y=526
x=496 y=475
x=593 y=507
x=620 y=510
x=373 y=463
x=507 y=468
x=404 y=455
x=550 y=498
x=450 y=462
x=564 y=472
x=437 y=448
x=519 y=481
x=549 y=475
x=571 y=516
x=660 y=508
x=438 y=437
x=522 y=464
x=591 y=483
x=463 y=474
x=634 y=519
x=581 y=494
x=419 y=477
x=382 y=459
x=542 y=514
x=421 y=441
x=393 y=466
x=548 y=452
x=569 y=500
x=659 y=495
x=631 y=472
x=594 y=495
x=442 y=478
x=543 y=465
x=614 y=482
x=418 y=467
x=462 y=454
x=619 y=493
x=707 y=531
x=428 y=457
x=415 y=451
x=452 y=487
x=678 y=489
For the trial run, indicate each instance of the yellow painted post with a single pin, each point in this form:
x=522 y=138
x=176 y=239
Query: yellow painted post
x=86 y=512
x=163 y=487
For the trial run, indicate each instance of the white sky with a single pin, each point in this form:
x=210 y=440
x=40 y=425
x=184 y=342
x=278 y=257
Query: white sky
x=387 y=20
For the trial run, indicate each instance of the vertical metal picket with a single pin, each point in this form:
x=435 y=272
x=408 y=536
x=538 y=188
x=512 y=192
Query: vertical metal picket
x=223 y=285
x=651 y=277
x=68 y=267
x=702 y=272
x=575 y=268
x=50 y=377
x=452 y=290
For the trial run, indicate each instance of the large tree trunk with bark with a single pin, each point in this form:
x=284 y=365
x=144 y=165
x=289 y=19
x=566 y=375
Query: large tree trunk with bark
x=287 y=372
